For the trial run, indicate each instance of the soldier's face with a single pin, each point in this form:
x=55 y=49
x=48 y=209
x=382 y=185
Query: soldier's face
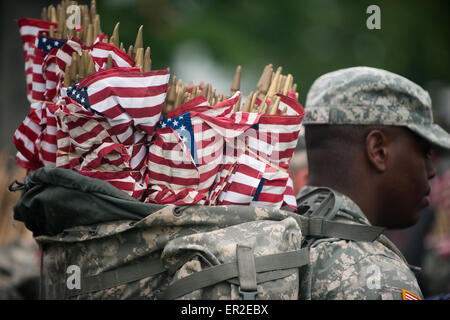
x=407 y=188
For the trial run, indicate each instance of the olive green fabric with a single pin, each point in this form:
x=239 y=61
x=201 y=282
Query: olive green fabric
x=126 y=249
x=54 y=199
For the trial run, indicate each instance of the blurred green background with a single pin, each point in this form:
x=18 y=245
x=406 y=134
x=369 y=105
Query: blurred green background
x=207 y=39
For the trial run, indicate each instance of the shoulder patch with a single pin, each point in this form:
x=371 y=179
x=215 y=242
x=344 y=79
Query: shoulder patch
x=406 y=295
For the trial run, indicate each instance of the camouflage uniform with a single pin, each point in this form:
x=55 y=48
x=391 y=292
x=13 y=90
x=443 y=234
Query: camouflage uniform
x=342 y=269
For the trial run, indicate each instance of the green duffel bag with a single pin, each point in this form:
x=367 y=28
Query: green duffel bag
x=99 y=243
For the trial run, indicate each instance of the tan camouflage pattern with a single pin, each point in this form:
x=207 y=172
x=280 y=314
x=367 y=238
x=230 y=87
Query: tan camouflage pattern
x=96 y=249
x=370 y=96
x=219 y=246
x=353 y=270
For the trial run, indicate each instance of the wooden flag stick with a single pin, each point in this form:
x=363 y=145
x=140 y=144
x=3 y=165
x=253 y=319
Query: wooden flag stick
x=53 y=16
x=287 y=84
x=265 y=81
x=263 y=76
x=178 y=99
x=90 y=35
x=273 y=108
x=67 y=79
x=263 y=105
x=248 y=102
x=51 y=31
x=282 y=83
x=82 y=70
x=59 y=21
x=91 y=67
x=273 y=84
x=44 y=14
x=253 y=107
x=236 y=85
x=171 y=97
x=208 y=92
x=74 y=68
x=185 y=97
x=97 y=29
x=49 y=12
x=115 y=35
x=93 y=11
x=294 y=87
x=278 y=84
x=147 y=60
x=86 y=21
x=109 y=62
x=130 y=50
x=139 y=40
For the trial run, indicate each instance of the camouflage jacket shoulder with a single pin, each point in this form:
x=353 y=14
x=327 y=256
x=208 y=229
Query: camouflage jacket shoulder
x=342 y=269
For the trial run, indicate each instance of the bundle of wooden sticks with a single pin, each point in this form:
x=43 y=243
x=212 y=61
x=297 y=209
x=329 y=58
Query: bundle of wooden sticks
x=87 y=32
x=263 y=99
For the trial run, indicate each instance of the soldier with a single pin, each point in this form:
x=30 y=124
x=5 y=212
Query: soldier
x=369 y=134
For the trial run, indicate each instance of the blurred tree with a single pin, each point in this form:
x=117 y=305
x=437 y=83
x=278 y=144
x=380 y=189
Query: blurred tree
x=308 y=37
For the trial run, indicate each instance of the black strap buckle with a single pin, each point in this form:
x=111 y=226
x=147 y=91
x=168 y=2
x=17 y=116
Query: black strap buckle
x=20 y=186
x=248 y=295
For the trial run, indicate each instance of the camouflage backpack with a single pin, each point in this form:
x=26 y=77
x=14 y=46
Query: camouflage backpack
x=99 y=243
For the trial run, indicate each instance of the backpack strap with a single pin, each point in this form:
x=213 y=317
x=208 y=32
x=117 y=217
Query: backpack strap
x=226 y=271
x=319 y=207
x=317 y=228
x=248 y=287
x=108 y=279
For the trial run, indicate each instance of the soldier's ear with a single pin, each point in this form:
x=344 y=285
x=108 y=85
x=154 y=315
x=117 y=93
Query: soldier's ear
x=376 y=147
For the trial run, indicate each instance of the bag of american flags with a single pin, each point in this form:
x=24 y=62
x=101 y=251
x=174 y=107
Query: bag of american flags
x=141 y=186
x=97 y=242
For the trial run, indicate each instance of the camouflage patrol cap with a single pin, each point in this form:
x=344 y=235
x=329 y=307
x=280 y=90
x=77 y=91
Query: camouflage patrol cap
x=369 y=96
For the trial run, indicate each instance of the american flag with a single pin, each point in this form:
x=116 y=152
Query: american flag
x=131 y=102
x=121 y=106
x=122 y=180
x=243 y=183
x=129 y=99
x=100 y=52
x=183 y=126
x=35 y=138
x=173 y=162
x=271 y=189
x=41 y=71
x=29 y=30
x=86 y=146
x=271 y=141
x=49 y=73
x=201 y=133
x=217 y=126
x=173 y=174
x=78 y=132
x=281 y=132
x=26 y=135
x=46 y=43
x=221 y=182
x=292 y=106
x=46 y=144
x=64 y=58
x=289 y=201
